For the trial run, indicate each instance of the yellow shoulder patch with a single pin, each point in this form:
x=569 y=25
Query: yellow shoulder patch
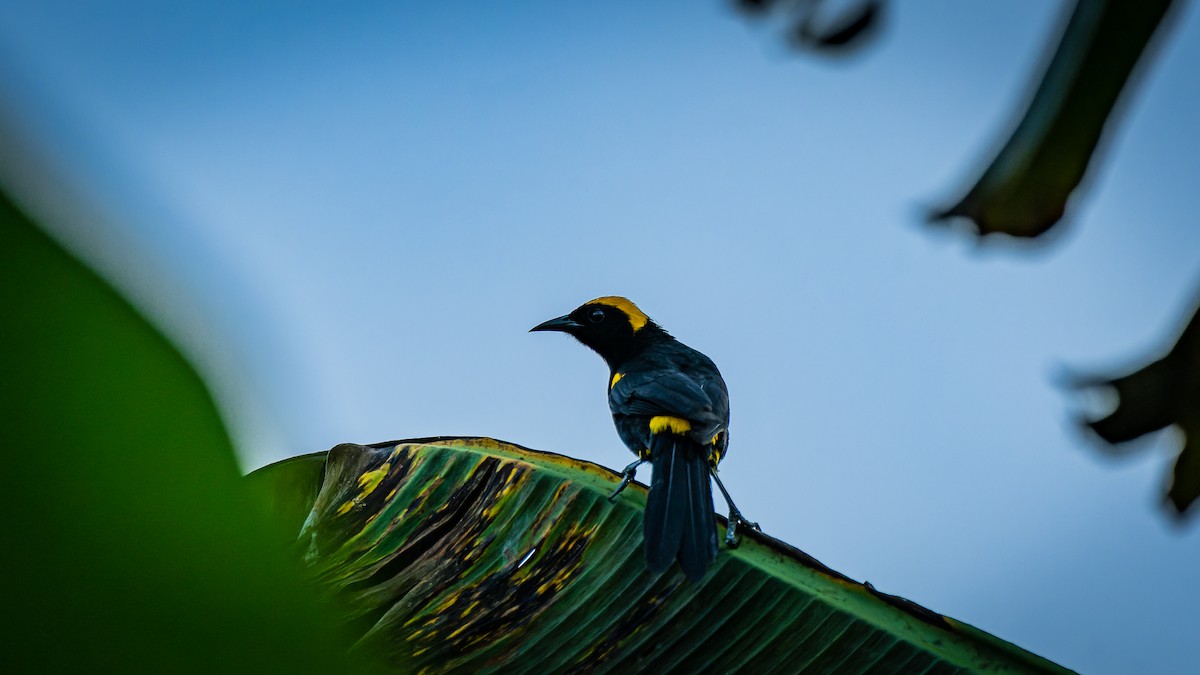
x=675 y=425
x=637 y=318
x=616 y=378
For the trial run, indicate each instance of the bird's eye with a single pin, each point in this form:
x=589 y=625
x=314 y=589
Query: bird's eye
x=596 y=316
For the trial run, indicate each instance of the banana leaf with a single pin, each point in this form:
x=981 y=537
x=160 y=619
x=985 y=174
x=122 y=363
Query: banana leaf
x=1163 y=393
x=474 y=555
x=1026 y=188
x=131 y=544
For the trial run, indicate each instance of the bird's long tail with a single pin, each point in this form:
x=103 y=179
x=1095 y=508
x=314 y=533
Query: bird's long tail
x=679 y=522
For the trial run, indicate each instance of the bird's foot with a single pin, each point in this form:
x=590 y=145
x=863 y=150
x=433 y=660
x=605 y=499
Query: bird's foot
x=736 y=520
x=627 y=477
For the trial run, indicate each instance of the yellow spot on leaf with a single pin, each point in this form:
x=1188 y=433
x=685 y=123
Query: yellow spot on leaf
x=446 y=602
x=637 y=318
x=367 y=484
x=675 y=425
x=371 y=479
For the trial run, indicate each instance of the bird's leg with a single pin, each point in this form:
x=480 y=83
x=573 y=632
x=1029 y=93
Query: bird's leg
x=627 y=477
x=735 y=516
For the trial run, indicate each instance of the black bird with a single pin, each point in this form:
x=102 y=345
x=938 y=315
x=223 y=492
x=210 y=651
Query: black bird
x=671 y=408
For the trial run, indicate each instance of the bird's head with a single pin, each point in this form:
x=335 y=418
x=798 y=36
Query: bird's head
x=611 y=326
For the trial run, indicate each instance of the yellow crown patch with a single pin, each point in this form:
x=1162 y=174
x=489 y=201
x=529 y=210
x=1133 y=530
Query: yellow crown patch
x=637 y=318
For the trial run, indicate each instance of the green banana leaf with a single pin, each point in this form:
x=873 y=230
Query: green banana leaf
x=131 y=544
x=1024 y=191
x=469 y=554
x=1166 y=392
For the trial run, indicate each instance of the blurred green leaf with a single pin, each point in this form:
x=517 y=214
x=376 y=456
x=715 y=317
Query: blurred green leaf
x=815 y=27
x=472 y=555
x=131 y=543
x=1156 y=396
x=1025 y=189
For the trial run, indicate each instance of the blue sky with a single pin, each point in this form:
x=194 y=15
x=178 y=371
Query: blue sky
x=350 y=217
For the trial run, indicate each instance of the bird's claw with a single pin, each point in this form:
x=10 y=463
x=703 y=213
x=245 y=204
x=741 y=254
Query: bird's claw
x=627 y=477
x=736 y=520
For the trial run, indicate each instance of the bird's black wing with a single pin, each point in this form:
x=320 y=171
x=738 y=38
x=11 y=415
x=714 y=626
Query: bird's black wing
x=661 y=391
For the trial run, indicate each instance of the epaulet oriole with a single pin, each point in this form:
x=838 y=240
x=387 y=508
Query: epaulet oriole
x=671 y=408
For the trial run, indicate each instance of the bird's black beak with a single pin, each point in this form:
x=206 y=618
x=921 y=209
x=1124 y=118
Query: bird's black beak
x=563 y=324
